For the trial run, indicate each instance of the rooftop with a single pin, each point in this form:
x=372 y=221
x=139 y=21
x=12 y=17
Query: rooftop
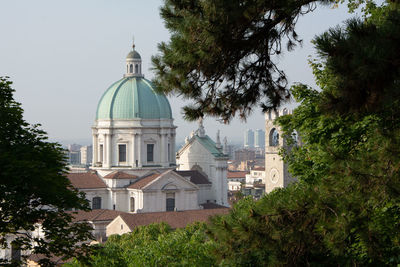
x=86 y=180
x=195 y=176
x=176 y=219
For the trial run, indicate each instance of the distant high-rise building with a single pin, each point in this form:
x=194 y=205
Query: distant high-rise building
x=249 y=138
x=74 y=147
x=86 y=155
x=74 y=157
x=259 y=138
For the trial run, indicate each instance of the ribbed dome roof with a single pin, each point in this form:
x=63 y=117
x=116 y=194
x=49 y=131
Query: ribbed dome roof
x=133 y=54
x=133 y=97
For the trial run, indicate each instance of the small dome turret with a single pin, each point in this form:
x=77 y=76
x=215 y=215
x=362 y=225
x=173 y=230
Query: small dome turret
x=133 y=64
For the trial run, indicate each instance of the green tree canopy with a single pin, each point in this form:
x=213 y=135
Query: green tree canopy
x=34 y=189
x=345 y=209
x=156 y=245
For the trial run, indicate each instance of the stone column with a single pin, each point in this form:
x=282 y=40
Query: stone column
x=133 y=150
x=103 y=162
x=95 y=149
x=109 y=150
x=139 y=150
x=173 y=156
x=163 y=149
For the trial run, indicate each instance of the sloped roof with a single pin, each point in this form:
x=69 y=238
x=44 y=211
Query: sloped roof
x=176 y=219
x=258 y=169
x=207 y=143
x=120 y=175
x=237 y=174
x=142 y=182
x=210 y=145
x=86 y=180
x=95 y=215
x=196 y=177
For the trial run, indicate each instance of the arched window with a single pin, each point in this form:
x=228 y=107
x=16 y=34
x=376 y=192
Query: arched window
x=96 y=203
x=170 y=202
x=273 y=137
x=136 y=68
x=132 y=204
x=131 y=68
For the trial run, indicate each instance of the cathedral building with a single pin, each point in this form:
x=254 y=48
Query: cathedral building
x=134 y=166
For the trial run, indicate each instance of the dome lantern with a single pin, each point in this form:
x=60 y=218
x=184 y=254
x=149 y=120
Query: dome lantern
x=133 y=64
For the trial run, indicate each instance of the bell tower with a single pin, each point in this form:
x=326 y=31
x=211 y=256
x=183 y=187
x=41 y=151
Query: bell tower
x=276 y=171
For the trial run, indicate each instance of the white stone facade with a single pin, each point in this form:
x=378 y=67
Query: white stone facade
x=255 y=176
x=136 y=135
x=201 y=153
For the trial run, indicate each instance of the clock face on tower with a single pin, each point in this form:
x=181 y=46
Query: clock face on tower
x=274 y=176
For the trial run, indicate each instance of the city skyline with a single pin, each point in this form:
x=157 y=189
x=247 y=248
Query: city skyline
x=62 y=56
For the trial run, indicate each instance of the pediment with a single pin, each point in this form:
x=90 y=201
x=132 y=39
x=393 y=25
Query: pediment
x=171 y=181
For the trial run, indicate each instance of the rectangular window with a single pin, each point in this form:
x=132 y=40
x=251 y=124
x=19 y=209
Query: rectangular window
x=15 y=252
x=122 y=153
x=170 y=201
x=150 y=152
x=101 y=153
x=96 y=203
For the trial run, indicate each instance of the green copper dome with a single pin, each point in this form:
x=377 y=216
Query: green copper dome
x=133 y=97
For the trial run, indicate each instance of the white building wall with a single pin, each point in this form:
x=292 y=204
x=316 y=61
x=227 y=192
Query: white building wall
x=216 y=170
x=103 y=193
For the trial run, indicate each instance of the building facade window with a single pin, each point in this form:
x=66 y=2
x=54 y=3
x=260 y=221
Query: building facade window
x=131 y=68
x=101 y=153
x=136 y=68
x=170 y=202
x=96 y=203
x=150 y=152
x=132 y=204
x=122 y=153
x=273 y=137
x=15 y=252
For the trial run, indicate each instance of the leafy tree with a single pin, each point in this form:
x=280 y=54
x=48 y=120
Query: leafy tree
x=345 y=209
x=34 y=189
x=156 y=245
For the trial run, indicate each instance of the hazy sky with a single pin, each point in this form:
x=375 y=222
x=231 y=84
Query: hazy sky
x=62 y=56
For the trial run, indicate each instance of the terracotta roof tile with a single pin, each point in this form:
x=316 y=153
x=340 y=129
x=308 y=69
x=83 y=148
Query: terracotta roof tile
x=86 y=180
x=196 y=177
x=120 y=175
x=95 y=215
x=176 y=219
x=212 y=206
x=258 y=169
x=237 y=174
x=142 y=182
